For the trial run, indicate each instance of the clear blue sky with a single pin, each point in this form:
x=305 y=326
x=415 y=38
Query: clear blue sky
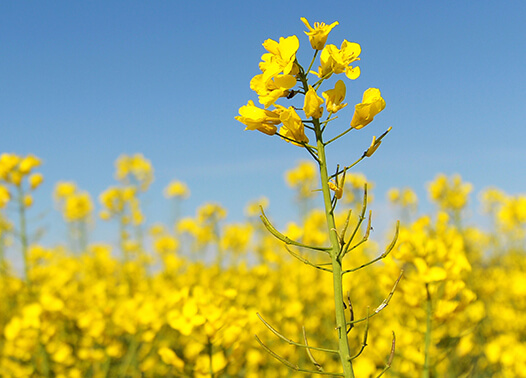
x=83 y=82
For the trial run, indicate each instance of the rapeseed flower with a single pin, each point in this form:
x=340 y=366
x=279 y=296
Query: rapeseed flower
x=258 y=119
x=364 y=112
x=312 y=105
x=334 y=97
x=319 y=33
x=293 y=128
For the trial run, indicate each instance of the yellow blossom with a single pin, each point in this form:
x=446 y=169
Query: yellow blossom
x=405 y=197
x=177 y=189
x=8 y=163
x=318 y=34
x=338 y=191
x=28 y=200
x=334 y=97
x=280 y=57
x=28 y=163
x=170 y=358
x=258 y=119
x=292 y=127
x=450 y=193
x=253 y=208
x=64 y=189
x=337 y=61
x=134 y=169
x=374 y=146
x=269 y=90
x=312 y=105
x=372 y=104
x=4 y=196
x=77 y=207
x=35 y=180
x=302 y=178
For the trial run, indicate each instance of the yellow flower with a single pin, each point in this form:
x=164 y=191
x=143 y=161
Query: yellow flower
x=78 y=207
x=429 y=274
x=292 y=127
x=176 y=189
x=318 y=34
x=64 y=189
x=273 y=88
x=334 y=97
x=28 y=163
x=252 y=209
x=302 y=178
x=312 y=106
x=334 y=60
x=28 y=200
x=372 y=104
x=211 y=212
x=35 y=180
x=258 y=119
x=338 y=191
x=4 y=196
x=166 y=244
x=280 y=57
x=134 y=168
x=170 y=358
x=8 y=163
x=450 y=193
x=374 y=146
x=405 y=197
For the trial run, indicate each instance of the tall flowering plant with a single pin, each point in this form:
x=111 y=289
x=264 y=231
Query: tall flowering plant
x=282 y=77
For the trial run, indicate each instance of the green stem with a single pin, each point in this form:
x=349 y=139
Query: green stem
x=343 y=342
x=429 y=312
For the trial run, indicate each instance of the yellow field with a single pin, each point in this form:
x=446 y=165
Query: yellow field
x=149 y=307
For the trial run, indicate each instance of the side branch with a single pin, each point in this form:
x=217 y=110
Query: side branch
x=309 y=353
x=364 y=343
x=391 y=356
x=305 y=261
x=291 y=365
x=383 y=304
x=286 y=239
x=344 y=250
x=382 y=256
x=291 y=342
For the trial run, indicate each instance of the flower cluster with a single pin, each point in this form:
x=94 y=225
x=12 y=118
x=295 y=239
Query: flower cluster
x=281 y=73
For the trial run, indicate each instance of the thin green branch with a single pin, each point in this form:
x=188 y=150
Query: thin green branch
x=377 y=142
x=339 y=136
x=344 y=251
x=292 y=366
x=344 y=230
x=312 y=152
x=294 y=141
x=347 y=168
x=364 y=239
x=391 y=356
x=291 y=342
x=309 y=353
x=382 y=256
x=305 y=261
x=312 y=61
x=383 y=304
x=364 y=343
x=286 y=239
x=351 y=312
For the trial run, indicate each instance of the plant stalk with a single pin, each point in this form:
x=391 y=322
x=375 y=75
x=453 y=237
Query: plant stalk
x=343 y=342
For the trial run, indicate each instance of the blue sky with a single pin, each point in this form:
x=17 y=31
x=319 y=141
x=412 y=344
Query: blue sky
x=83 y=82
